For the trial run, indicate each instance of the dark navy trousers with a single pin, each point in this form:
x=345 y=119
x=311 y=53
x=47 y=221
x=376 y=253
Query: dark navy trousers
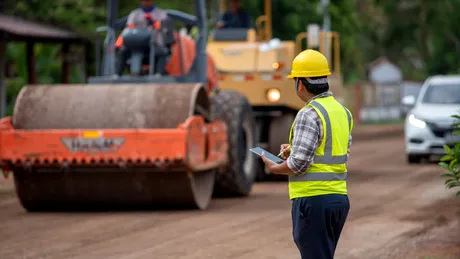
x=317 y=223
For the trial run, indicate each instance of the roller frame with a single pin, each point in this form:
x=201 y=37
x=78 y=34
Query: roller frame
x=194 y=146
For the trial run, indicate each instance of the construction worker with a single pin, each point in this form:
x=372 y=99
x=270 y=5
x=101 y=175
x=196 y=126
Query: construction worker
x=146 y=16
x=316 y=158
x=236 y=17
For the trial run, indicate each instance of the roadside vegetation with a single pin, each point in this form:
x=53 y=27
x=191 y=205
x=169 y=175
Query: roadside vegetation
x=451 y=161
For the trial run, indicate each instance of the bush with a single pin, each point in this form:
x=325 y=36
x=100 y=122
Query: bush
x=451 y=161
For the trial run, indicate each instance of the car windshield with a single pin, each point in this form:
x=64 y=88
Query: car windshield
x=442 y=94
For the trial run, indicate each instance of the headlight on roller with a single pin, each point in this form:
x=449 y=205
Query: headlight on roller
x=273 y=95
x=416 y=122
x=277 y=65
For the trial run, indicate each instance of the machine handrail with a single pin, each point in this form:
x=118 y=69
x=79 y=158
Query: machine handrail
x=332 y=36
x=187 y=19
x=259 y=27
x=110 y=34
x=109 y=39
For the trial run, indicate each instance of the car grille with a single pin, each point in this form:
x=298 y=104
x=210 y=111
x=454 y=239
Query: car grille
x=441 y=146
x=439 y=131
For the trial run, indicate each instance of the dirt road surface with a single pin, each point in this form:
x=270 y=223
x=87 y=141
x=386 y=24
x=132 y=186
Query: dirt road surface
x=397 y=211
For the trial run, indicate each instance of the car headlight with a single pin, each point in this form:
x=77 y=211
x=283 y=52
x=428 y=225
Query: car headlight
x=416 y=122
x=273 y=95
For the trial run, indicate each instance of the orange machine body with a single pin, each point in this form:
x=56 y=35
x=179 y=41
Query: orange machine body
x=193 y=145
x=183 y=55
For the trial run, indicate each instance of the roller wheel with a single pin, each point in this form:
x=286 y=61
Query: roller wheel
x=239 y=175
x=414 y=159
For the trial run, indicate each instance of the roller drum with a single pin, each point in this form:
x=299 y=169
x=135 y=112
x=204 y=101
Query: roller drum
x=44 y=189
x=107 y=106
x=129 y=106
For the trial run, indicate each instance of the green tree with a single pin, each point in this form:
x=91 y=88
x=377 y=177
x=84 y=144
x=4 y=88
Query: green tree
x=420 y=36
x=426 y=41
x=451 y=161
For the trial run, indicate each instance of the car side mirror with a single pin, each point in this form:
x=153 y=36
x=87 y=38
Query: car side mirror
x=408 y=100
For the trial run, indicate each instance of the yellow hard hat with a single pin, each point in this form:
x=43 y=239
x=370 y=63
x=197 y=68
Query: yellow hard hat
x=309 y=63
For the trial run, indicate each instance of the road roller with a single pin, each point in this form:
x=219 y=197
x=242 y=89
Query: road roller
x=144 y=140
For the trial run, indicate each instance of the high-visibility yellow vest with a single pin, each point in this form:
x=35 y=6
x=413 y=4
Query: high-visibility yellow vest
x=327 y=174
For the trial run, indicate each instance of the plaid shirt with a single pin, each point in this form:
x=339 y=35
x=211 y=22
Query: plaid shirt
x=137 y=17
x=308 y=134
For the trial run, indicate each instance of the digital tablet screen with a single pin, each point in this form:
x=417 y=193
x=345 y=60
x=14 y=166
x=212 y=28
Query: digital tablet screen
x=268 y=155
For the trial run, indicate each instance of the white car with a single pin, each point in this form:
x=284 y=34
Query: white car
x=428 y=125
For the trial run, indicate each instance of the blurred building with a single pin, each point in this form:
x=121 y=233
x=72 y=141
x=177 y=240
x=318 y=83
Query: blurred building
x=383 y=92
x=74 y=51
x=380 y=97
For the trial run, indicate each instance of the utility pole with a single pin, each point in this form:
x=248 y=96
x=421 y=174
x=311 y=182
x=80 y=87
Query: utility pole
x=326 y=28
x=109 y=54
x=112 y=13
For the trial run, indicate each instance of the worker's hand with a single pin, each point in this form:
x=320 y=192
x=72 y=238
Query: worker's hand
x=219 y=24
x=285 y=149
x=267 y=162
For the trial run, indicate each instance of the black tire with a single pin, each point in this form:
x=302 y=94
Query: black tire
x=414 y=159
x=260 y=167
x=234 y=109
x=278 y=133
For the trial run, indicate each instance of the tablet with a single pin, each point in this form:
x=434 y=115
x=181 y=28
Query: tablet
x=268 y=155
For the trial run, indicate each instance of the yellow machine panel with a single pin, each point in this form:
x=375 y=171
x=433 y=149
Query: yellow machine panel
x=264 y=89
x=253 y=68
x=251 y=56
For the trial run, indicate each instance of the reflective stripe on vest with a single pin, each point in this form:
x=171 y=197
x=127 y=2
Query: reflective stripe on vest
x=327 y=158
x=318 y=177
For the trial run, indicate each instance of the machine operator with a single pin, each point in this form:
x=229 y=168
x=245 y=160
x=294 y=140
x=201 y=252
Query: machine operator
x=236 y=17
x=147 y=16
